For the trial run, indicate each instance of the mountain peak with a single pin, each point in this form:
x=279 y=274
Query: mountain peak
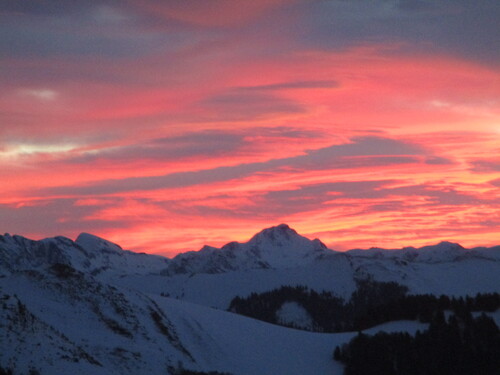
x=278 y=235
x=92 y=242
x=442 y=246
x=275 y=247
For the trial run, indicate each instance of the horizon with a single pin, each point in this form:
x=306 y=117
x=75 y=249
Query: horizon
x=171 y=255
x=169 y=126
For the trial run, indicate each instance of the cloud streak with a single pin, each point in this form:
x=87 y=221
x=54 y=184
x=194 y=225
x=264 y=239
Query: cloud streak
x=363 y=152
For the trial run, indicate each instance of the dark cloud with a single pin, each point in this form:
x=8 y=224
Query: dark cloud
x=173 y=180
x=485 y=166
x=311 y=197
x=439 y=195
x=199 y=144
x=362 y=152
x=376 y=150
x=53 y=216
x=379 y=189
x=47 y=7
x=326 y=84
x=86 y=28
x=102 y=30
x=24 y=37
x=284 y=132
x=495 y=182
x=437 y=160
x=237 y=105
x=416 y=5
x=205 y=143
x=463 y=27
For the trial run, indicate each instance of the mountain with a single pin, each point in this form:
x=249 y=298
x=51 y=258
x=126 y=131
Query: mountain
x=442 y=252
x=276 y=247
x=89 y=307
x=89 y=254
x=279 y=256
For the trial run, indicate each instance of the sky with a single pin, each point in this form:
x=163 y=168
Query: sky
x=164 y=126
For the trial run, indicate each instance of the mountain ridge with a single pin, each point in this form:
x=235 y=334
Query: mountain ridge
x=274 y=247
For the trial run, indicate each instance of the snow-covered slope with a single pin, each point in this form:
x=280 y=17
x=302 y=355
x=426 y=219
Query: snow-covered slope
x=61 y=321
x=335 y=273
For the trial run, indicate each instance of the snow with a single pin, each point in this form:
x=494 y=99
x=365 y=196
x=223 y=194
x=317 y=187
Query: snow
x=109 y=314
x=95 y=244
x=247 y=347
x=244 y=346
x=295 y=315
x=495 y=315
x=336 y=273
x=217 y=290
x=72 y=319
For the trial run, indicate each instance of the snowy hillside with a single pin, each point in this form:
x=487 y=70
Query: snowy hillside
x=89 y=307
x=63 y=321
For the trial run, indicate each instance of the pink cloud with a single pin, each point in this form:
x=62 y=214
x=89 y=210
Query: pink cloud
x=178 y=125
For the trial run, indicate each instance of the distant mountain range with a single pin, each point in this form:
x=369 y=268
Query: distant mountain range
x=89 y=307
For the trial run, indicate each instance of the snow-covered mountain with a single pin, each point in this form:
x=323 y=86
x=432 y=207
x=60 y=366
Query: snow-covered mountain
x=89 y=254
x=89 y=307
x=276 y=247
x=441 y=253
x=279 y=256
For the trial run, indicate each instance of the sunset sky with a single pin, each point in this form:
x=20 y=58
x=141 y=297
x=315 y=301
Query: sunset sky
x=167 y=125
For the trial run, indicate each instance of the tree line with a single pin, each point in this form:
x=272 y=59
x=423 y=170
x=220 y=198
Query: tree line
x=372 y=303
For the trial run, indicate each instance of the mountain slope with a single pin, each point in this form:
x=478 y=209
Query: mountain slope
x=71 y=317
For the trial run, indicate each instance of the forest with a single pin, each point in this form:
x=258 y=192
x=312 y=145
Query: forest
x=372 y=303
x=461 y=345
